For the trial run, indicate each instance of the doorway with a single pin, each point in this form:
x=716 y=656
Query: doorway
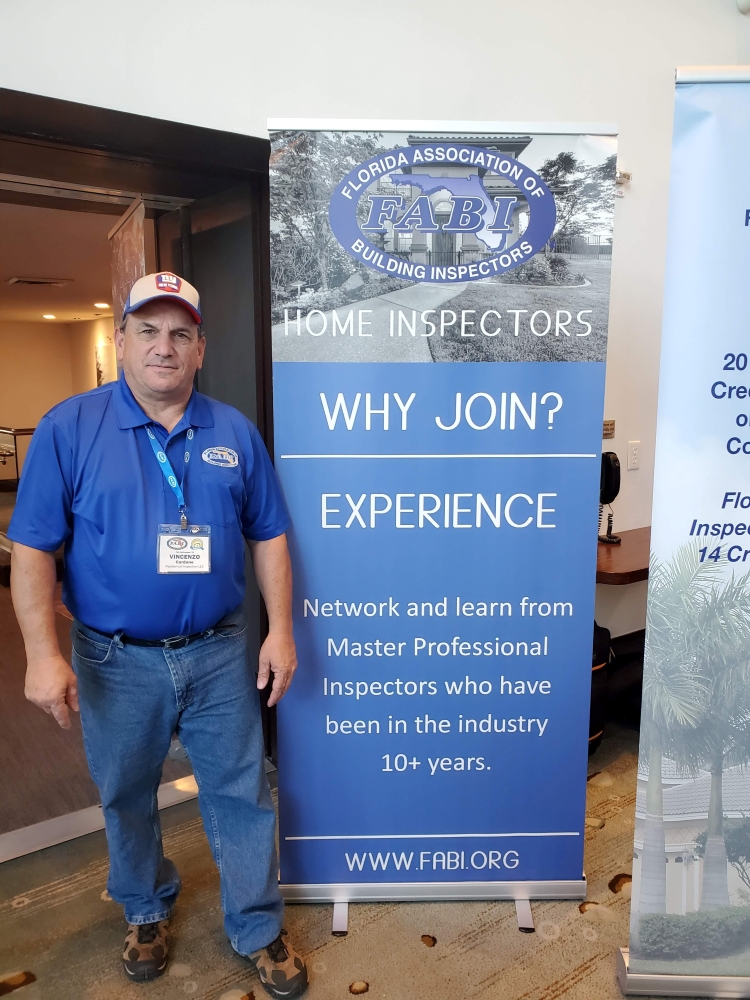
x=443 y=244
x=68 y=173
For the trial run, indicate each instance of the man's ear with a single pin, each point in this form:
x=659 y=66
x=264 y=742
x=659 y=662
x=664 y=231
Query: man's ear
x=119 y=342
x=201 y=350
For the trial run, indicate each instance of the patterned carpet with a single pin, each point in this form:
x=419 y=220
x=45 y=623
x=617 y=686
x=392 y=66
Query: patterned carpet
x=58 y=925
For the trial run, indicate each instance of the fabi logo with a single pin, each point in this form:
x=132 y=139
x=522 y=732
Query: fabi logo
x=401 y=212
x=168 y=282
x=226 y=457
x=177 y=543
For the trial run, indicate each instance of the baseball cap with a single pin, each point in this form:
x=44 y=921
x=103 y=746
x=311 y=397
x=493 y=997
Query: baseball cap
x=163 y=285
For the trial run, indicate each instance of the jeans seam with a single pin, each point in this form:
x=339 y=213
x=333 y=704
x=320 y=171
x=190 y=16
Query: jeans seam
x=175 y=668
x=90 y=759
x=156 y=824
x=214 y=829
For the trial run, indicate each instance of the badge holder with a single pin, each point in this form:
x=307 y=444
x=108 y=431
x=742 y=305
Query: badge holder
x=183 y=550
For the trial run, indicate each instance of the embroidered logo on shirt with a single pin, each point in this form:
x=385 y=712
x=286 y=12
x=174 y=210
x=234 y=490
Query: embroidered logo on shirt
x=225 y=457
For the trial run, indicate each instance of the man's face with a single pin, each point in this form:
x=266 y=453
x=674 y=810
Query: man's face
x=160 y=348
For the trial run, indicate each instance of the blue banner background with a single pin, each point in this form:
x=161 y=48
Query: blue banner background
x=334 y=785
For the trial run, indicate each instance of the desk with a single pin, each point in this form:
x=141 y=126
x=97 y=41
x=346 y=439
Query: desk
x=627 y=562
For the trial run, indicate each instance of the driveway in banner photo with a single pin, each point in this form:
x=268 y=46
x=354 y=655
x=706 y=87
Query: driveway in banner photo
x=380 y=346
x=482 y=295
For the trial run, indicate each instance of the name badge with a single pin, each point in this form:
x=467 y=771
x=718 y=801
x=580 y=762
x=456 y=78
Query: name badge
x=183 y=550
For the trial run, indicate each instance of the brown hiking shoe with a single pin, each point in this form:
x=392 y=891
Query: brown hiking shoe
x=282 y=972
x=145 y=952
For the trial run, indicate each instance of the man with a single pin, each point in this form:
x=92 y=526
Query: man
x=151 y=486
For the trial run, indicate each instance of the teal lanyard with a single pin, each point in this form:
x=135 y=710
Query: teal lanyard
x=166 y=467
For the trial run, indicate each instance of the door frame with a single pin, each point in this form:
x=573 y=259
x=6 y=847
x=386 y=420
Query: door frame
x=116 y=153
x=100 y=160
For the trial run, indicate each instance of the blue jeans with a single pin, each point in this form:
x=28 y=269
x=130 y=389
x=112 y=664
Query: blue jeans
x=133 y=699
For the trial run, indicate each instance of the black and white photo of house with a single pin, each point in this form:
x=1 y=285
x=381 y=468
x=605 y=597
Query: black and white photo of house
x=552 y=307
x=686 y=805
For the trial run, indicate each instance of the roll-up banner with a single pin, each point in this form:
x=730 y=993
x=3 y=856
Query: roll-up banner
x=690 y=926
x=440 y=303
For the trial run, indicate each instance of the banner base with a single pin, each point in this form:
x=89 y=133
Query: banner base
x=650 y=984
x=413 y=892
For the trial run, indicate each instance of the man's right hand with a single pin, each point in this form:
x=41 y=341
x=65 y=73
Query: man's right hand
x=52 y=685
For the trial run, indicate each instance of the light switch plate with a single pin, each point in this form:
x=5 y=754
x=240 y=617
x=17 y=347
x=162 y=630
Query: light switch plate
x=634 y=456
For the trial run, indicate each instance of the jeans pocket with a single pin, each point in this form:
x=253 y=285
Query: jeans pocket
x=233 y=625
x=91 y=650
x=238 y=631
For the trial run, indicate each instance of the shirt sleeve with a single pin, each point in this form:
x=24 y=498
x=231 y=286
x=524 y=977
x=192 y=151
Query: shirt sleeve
x=42 y=517
x=264 y=515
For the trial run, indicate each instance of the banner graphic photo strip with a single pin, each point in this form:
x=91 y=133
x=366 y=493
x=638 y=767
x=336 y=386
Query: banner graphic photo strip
x=690 y=911
x=440 y=307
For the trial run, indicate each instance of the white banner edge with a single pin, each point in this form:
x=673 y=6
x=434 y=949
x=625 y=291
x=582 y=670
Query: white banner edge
x=712 y=74
x=416 y=125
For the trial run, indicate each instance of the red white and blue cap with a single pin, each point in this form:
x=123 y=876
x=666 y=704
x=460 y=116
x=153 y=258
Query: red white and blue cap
x=163 y=285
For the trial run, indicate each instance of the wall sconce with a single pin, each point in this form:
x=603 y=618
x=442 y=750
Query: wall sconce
x=622 y=177
x=743 y=6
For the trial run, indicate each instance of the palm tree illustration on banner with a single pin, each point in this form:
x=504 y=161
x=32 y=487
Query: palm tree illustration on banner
x=695 y=703
x=722 y=737
x=674 y=692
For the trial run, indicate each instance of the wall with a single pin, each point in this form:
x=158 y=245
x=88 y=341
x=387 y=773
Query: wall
x=44 y=363
x=85 y=339
x=35 y=373
x=542 y=60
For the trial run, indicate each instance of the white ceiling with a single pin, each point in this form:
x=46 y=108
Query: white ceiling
x=49 y=243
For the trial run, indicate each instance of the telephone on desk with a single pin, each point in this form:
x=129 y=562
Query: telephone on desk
x=609 y=487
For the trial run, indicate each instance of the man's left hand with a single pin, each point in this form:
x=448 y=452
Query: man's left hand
x=278 y=656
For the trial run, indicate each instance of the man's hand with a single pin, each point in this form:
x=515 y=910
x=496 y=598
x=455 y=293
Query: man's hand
x=273 y=571
x=51 y=684
x=278 y=656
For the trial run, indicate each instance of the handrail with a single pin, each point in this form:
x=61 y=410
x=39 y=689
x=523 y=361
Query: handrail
x=15 y=433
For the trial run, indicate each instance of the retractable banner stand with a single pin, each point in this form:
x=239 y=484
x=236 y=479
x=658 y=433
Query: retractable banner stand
x=440 y=297
x=690 y=926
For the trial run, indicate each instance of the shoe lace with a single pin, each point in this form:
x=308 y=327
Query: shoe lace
x=277 y=950
x=147 y=933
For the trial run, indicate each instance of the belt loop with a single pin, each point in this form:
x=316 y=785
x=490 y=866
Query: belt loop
x=117 y=639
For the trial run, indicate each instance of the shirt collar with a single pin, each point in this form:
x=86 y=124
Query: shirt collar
x=129 y=413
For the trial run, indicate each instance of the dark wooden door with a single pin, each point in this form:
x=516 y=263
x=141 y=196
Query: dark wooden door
x=216 y=244
x=443 y=244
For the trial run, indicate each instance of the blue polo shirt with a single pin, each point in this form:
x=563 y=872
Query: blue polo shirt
x=92 y=482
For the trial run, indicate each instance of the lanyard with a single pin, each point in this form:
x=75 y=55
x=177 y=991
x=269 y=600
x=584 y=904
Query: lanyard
x=166 y=467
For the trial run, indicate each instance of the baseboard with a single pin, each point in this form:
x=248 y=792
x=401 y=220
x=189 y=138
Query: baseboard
x=50 y=832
